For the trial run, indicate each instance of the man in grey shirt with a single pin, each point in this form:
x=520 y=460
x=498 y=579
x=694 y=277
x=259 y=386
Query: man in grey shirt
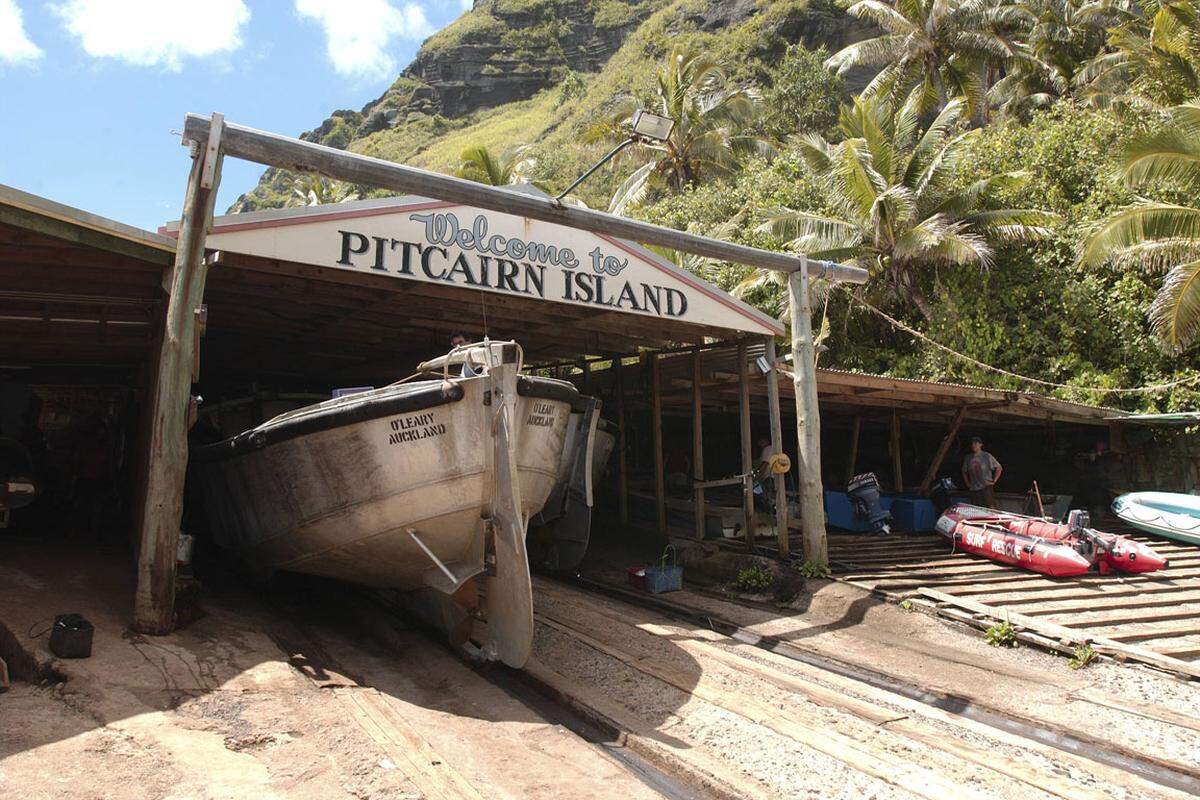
x=980 y=472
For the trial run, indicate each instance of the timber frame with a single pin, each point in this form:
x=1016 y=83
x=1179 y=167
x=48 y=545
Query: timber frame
x=210 y=139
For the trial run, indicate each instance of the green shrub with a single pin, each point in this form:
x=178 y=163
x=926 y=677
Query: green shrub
x=1002 y=634
x=814 y=569
x=752 y=580
x=1084 y=655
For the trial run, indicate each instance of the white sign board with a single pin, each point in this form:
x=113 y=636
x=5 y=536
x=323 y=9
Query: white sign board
x=443 y=243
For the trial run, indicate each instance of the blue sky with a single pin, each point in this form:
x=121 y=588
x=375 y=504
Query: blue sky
x=90 y=90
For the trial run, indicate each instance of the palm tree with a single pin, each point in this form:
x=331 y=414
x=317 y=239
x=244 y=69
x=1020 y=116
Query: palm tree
x=1154 y=58
x=930 y=50
x=896 y=209
x=1056 y=38
x=313 y=190
x=711 y=138
x=1160 y=237
x=481 y=165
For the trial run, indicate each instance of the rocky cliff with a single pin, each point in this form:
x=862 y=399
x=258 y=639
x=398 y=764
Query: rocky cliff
x=522 y=71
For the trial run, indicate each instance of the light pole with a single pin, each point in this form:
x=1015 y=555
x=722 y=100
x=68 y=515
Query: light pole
x=645 y=126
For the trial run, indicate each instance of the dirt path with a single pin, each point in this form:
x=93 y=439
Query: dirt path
x=763 y=725
x=244 y=705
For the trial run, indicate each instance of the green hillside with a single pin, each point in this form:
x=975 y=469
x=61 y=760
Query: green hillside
x=554 y=118
x=1021 y=179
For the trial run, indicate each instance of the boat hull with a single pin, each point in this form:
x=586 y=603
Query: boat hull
x=1175 y=516
x=1042 y=545
x=377 y=499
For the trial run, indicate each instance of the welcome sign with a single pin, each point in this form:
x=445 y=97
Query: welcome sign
x=442 y=243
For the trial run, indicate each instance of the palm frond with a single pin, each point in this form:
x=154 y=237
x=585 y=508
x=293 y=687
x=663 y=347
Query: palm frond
x=1175 y=313
x=1140 y=222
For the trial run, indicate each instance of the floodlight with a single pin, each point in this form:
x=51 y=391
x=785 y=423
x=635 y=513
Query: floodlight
x=652 y=126
x=645 y=126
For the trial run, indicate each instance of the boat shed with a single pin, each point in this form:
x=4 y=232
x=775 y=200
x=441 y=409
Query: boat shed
x=304 y=301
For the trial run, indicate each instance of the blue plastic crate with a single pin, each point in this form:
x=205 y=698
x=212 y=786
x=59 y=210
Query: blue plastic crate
x=664 y=579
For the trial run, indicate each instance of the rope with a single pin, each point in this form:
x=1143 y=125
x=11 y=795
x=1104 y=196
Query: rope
x=1157 y=387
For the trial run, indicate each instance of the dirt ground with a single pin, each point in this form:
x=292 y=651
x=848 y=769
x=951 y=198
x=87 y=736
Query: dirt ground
x=218 y=710
x=300 y=694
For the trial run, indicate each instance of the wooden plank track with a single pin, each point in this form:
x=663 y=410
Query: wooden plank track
x=1152 y=618
x=872 y=730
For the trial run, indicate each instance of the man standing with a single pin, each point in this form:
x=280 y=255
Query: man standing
x=980 y=472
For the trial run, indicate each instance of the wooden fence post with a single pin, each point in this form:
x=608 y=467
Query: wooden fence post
x=622 y=464
x=660 y=489
x=747 y=444
x=808 y=418
x=943 y=449
x=154 y=601
x=855 y=430
x=894 y=447
x=698 y=441
x=781 y=508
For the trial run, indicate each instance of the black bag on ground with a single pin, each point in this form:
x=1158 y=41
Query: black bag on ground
x=71 y=636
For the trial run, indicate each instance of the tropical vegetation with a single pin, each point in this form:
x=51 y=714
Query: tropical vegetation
x=897 y=209
x=1020 y=177
x=481 y=165
x=714 y=132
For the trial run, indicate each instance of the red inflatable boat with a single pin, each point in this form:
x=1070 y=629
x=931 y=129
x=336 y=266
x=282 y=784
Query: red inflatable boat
x=1051 y=548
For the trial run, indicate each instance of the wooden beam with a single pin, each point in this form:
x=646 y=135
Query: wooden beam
x=698 y=442
x=747 y=444
x=281 y=151
x=622 y=464
x=154 y=603
x=88 y=237
x=894 y=449
x=943 y=449
x=852 y=462
x=808 y=420
x=781 y=509
x=660 y=489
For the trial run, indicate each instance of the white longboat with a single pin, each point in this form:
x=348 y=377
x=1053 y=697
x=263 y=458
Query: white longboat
x=422 y=485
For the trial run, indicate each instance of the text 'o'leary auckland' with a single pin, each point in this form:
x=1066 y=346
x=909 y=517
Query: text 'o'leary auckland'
x=469 y=257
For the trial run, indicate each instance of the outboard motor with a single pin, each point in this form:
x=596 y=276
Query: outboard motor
x=939 y=495
x=863 y=491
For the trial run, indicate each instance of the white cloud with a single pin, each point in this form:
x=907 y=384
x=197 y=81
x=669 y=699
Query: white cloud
x=358 y=32
x=150 y=33
x=15 y=45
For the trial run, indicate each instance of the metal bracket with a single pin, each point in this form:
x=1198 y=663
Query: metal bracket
x=437 y=561
x=208 y=173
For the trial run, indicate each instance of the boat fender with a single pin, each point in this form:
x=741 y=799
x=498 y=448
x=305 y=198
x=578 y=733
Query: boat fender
x=547 y=389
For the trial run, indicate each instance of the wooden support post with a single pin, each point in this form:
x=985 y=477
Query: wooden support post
x=781 y=509
x=660 y=489
x=808 y=419
x=747 y=445
x=894 y=448
x=622 y=464
x=855 y=430
x=585 y=367
x=698 y=441
x=943 y=449
x=154 y=602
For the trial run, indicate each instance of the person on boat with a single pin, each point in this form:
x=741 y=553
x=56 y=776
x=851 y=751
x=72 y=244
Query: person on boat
x=461 y=339
x=980 y=472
